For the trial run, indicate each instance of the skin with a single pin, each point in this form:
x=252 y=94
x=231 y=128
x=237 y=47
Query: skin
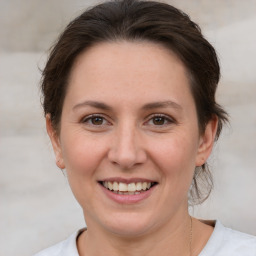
x=128 y=142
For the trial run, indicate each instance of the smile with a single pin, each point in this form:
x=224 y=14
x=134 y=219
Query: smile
x=133 y=188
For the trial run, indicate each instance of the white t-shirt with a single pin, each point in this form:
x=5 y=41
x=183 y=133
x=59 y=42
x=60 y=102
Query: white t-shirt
x=223 y=242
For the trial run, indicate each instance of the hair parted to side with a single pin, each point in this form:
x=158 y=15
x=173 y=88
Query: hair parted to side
x=135 y=20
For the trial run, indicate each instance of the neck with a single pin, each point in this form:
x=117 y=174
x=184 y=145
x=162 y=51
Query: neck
x=172 y=239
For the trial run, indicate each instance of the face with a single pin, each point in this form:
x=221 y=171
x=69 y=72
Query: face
x=129 y=137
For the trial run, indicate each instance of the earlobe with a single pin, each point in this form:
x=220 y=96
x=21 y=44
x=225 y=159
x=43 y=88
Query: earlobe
x=207 y=141
x=54 y=137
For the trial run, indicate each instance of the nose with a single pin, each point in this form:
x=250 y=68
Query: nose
x=127 y=149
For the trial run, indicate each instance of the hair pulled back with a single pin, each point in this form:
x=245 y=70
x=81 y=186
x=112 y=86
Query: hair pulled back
x=135 y=20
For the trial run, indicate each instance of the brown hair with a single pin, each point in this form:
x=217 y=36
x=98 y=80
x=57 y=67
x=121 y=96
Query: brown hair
x=134 y=20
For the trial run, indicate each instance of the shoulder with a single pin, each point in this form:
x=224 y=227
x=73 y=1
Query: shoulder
x=52 y=251
x=65 y=248
x=225 y=241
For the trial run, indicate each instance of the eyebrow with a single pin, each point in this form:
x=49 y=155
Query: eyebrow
x=95 y=104
x=148 y=106
x=162 y=104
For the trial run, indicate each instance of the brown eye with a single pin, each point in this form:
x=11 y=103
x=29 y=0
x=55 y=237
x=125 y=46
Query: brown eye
x=97 y=120
x=159 y=120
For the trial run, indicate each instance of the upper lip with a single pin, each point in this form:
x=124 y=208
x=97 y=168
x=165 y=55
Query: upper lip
x=127 y=181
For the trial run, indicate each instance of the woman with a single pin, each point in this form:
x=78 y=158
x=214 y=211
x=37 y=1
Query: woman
x=129 y=99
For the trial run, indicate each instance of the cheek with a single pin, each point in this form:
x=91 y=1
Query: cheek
x=81 y=154
x=175 y=157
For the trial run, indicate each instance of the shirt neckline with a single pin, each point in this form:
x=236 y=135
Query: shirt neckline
x=215 y=238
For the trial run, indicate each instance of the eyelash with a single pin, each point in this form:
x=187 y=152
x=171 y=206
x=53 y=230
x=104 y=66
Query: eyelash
x=167 y=120
x=88 y=120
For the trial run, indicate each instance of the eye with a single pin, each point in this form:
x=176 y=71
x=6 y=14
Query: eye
x=95 y=120
x=160 y=120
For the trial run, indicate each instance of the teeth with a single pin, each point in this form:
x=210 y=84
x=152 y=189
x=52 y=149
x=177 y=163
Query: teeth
x=127 y=189
x=110 y=185
x=115 y=186
x=131 y=187
x=138 y=186
x=122 y=186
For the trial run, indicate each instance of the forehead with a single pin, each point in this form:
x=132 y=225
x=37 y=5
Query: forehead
x=140 y=69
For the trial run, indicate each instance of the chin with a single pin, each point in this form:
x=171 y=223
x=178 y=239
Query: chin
x=129 y=225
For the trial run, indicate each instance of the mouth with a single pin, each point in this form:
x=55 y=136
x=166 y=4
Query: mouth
x=133 y=188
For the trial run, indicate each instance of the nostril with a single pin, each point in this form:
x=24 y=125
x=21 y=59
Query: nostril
x=127 y=159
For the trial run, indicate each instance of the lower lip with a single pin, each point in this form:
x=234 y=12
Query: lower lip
x=128 y=199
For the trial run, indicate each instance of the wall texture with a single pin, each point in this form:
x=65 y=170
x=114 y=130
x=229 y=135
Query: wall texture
x=37 y=207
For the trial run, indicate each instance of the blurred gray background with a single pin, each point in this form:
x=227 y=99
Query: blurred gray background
x=37 y=208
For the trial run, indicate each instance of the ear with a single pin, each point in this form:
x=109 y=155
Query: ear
x=54 y=137
x=206 y=141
